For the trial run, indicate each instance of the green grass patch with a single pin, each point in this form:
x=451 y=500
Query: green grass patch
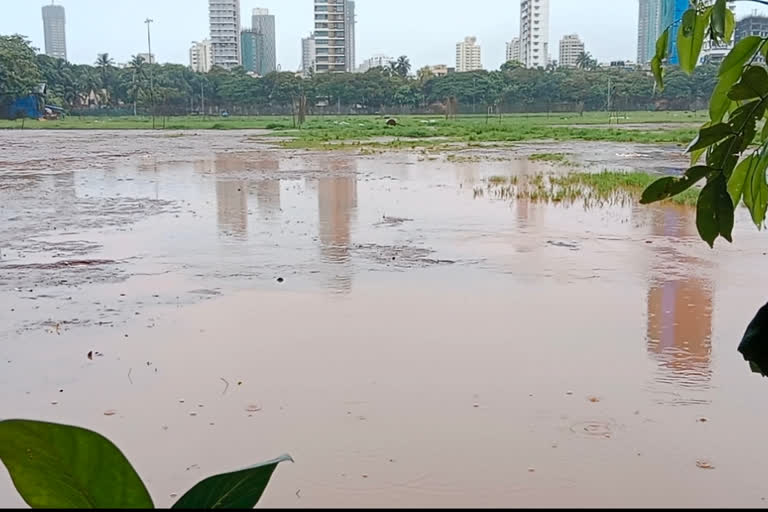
x=594 y=189
x=548 y=157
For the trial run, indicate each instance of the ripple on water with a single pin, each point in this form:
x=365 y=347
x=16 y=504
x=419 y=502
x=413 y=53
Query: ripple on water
x=595 y=429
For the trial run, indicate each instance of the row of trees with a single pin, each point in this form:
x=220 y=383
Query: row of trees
x=175 y=89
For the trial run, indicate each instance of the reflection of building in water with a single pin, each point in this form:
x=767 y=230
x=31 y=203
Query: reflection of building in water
x=267 y=188
x=231 y=197
x=337 y=204
x=680 y=303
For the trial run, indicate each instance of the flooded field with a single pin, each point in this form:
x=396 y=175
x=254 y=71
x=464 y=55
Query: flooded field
x=409 y=343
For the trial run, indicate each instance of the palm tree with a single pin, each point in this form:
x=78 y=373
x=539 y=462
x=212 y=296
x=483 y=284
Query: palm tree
x=105 y=63
x=424 y=74
x=402 y=66
x=137 y=65
x=585 y=61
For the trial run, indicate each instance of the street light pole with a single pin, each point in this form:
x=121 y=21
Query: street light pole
x=149 y=21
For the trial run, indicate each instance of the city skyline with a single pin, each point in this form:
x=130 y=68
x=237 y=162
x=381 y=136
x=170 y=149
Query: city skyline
x=374 y=35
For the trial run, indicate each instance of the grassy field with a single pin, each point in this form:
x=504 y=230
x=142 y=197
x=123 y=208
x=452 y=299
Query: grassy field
x=340 y=132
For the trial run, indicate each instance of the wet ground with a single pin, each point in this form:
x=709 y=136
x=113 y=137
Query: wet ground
x=406 y=342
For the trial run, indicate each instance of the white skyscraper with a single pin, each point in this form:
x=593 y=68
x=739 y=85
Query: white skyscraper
x=468 y=55
x=200 y=57
x=54 y=26
x=570 y=49
x=648 y=30
x=224 y=18
x=308 y=54
x=513 y=50
x=331 y=36
x=534 y=33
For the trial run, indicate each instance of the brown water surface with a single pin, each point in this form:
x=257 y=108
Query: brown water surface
x=407 y=342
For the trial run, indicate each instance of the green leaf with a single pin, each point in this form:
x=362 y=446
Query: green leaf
x=764 y=133
x=725 y=155
x=238 y=490
x=718 y=20
x=710 y=135
x=753 y=84
x=665 y=188
x=730 y=25
x=696 y=155
x=57 y=466
x=756 y=188
x=714 y=212
x=740 y=55
x=690 y=38
x=657 y=63
x=720 y=103
x=739 y=178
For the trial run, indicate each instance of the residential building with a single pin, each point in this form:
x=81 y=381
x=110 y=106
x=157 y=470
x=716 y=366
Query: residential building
x=570 y=49
x=308 y=54
x=224 y=17
x=148 y=58
x=350 y=21
x=439 y=70
x=513 y=50
x=752 y=25
x=330 y=36
x=263 y=24
x=671 y=13
x=200 y=57
x=534 y=33
x=377 y=61
x=468 y=55
x=54 y=26
x=648 y=30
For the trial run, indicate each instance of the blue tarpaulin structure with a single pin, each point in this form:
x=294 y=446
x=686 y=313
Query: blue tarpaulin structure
x=31 y=106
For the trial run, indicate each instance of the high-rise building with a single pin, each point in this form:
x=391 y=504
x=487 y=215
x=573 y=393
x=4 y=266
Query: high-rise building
x=570 y=49
x=308 y=54
x=330 y=36
x=671 y=13
x=513 y=50
x=648 y=30
x=224 y=16
x=468 y=55
x=534 y=33
x=263 y=23
x=349 y=36
x=752 y=25
x=54 y=26
x=200 y=58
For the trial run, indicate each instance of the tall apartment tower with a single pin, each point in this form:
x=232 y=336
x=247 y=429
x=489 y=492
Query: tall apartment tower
x=468 y=55
x=570 y=49
x=349 y=36
x=534 y=33
x=671 y=13
x=330 y=36
x=264 y=23
x=200 y=58
x=224 y=18
x=513 y=50
x=54 y=25
x=308 y=54
x=648 y=30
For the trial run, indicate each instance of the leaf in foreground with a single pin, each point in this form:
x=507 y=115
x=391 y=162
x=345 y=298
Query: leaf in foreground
x=715 y=212
x=238 y=490
x=58 y=466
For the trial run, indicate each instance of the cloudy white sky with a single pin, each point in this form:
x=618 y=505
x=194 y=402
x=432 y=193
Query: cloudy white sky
x=425 y=30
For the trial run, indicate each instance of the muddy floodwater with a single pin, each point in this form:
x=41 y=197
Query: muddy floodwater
x=408 y=342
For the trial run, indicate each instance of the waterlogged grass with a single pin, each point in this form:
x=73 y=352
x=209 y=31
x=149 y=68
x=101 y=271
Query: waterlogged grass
x=594 y=189
x=548 y=157
x=145 y=123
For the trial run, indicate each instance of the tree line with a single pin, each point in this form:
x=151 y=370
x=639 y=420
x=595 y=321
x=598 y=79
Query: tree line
x=173 y=89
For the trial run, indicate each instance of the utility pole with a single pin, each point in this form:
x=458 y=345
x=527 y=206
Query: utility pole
x=149 y=21
x=202 y=99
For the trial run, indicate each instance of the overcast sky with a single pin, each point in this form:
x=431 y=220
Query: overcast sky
x=425 y=30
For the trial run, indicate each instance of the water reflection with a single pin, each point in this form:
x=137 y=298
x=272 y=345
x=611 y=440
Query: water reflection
x=267 y=190
x=231 y=198
x=337 y=210
x=680 y=304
